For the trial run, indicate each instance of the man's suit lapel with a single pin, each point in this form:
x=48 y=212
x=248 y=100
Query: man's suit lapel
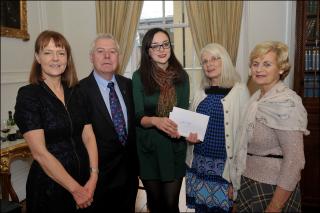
x=100 y=104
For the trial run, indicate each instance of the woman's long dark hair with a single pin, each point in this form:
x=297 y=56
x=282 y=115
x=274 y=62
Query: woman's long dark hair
x=147 y=66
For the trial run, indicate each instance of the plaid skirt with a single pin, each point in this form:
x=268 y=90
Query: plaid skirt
x=254 y=196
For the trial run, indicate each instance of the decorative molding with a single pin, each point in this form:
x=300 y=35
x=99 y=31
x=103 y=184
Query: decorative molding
x=43 y=17
x=14 y=76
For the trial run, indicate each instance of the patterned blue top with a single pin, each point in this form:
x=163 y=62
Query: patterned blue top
x=212 y=151
x=206 y=190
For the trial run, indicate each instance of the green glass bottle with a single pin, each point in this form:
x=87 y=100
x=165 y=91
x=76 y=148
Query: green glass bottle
x=10 y=121
x=12 y=126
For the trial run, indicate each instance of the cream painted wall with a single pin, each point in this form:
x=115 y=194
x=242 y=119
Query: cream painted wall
x=16 y=59
x=75 y=20
x=79 y=27
x=263 y=20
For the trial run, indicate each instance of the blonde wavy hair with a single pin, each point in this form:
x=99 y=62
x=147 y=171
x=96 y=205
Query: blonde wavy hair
x=281 y=51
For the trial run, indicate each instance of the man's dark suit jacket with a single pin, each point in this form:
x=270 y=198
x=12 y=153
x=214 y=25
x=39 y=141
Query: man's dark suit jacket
x=118 y=164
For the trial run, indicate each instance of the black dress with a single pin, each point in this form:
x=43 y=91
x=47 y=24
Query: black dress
x=37 y=107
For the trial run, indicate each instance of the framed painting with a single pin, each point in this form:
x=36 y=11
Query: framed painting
x=14 y=19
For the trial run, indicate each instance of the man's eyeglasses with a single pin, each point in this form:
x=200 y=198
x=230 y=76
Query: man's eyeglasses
x=157 y=47
x=213 y=59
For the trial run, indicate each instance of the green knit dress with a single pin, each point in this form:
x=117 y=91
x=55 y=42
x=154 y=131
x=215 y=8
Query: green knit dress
x=160 y=157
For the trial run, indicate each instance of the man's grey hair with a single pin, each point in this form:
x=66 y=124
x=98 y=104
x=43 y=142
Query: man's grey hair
x=104 y=36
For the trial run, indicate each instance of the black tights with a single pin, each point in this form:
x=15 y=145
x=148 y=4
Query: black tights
x=163 y=196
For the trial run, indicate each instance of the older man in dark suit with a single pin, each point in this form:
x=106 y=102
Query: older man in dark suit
x=111 y=109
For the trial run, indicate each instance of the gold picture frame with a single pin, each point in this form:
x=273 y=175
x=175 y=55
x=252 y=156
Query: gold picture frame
x=14 y=22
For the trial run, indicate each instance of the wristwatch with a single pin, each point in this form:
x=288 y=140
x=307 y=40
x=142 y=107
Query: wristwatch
x=94 y=170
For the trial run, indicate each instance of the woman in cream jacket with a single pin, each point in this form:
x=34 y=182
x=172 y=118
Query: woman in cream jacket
x=222 y=97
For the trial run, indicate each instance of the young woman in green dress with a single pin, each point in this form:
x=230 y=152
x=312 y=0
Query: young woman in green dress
x=159 y=84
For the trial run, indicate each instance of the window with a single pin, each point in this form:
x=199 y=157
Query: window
x=172 y=16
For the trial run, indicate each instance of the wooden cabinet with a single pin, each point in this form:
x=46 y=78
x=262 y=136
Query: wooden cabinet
x=306 y=84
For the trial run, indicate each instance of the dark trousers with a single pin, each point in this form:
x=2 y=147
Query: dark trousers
x=118 y=199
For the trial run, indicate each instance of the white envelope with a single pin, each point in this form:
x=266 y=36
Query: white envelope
x=189 y=122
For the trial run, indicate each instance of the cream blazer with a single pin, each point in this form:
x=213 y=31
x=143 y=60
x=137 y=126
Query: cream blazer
x=233 y=105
